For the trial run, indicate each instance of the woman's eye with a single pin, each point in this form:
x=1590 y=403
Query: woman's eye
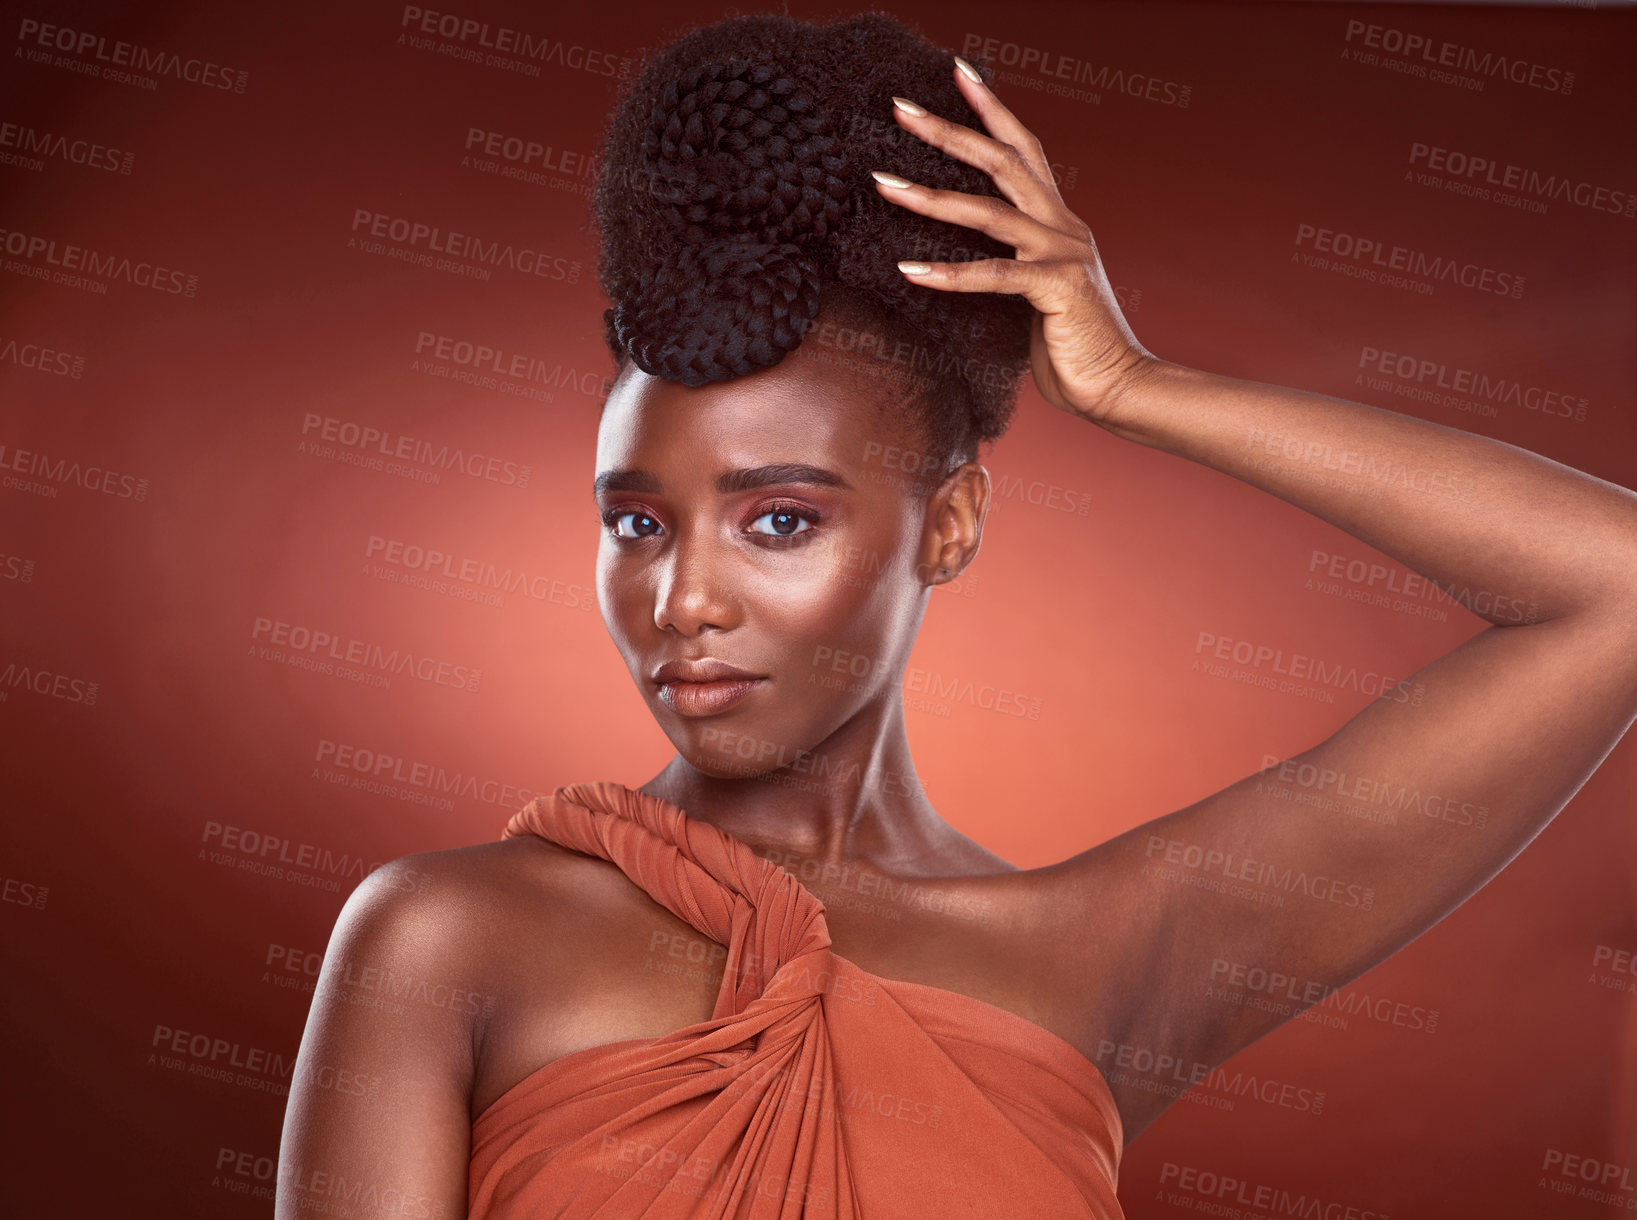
x=783 y=523
x=643 y=525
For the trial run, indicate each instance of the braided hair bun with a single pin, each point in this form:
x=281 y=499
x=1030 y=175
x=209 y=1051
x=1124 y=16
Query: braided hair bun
x=735 y=207
x=746 y=176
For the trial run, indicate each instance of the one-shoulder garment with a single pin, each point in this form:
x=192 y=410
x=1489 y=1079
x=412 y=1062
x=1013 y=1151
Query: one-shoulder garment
x=816 y=1089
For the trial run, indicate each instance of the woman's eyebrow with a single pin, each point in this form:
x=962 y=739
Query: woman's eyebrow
x=780 y=472
x=625 y=480
x=733 y=481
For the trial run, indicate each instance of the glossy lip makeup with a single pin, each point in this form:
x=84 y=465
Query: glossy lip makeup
x=703 y=687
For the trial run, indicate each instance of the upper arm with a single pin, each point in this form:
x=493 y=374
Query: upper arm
x=1316 y=868
x=378 y=1117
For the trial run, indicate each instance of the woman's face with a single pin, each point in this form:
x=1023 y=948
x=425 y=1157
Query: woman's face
x=769 y=523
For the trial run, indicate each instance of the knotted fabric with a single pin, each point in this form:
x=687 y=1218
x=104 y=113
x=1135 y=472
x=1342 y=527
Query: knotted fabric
x=816 y=1088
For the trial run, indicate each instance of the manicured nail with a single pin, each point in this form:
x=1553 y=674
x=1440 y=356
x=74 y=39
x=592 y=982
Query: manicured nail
x=969 y=70
x=886 y=179
x=908 y=107
x=909 y=268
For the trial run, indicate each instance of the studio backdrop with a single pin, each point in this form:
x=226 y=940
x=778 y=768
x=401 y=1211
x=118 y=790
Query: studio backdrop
x=301 y=356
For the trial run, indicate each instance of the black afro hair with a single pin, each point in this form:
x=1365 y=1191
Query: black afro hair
x=735 y=210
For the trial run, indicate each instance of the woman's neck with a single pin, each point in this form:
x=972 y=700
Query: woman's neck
x=853 y=798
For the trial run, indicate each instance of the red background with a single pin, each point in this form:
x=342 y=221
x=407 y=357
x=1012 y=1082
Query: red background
x=109 y=805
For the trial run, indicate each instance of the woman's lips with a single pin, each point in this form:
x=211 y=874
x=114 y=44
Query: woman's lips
x=706 y=698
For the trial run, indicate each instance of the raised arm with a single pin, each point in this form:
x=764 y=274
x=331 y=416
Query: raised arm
x=1159 y=933
x=1322 y=865
x=378 y=1120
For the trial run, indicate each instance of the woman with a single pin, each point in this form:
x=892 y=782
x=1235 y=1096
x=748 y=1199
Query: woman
x=630 y=1005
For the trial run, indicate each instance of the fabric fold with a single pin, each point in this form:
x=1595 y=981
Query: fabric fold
x=816 y=1088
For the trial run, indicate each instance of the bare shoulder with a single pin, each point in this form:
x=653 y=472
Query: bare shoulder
x=471 y=880
x=480 y=909
x=546 y=951
x=422 y=966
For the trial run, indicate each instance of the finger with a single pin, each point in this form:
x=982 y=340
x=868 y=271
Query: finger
x=1005 y=164
x=1000 y=122
x=1031 y=238
x=1051 y=285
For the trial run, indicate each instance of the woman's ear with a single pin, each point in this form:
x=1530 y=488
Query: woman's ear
x=953 y=525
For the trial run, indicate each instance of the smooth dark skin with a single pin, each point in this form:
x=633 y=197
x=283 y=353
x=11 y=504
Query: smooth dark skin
x=1101 y=949
x=1091 y=949
x=564 y=942
x=714 y=578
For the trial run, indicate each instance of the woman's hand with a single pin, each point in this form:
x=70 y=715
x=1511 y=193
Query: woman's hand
x=1082 y=350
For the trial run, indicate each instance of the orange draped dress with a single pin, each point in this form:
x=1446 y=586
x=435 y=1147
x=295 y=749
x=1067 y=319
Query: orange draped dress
x=815 y=1089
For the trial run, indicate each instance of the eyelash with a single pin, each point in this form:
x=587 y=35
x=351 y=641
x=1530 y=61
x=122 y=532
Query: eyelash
x=801 y=511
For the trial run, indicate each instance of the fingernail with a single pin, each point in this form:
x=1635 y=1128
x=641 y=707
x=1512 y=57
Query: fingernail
x=886 y=179
x=969 y=70
x=909 y=268
x=907 y=106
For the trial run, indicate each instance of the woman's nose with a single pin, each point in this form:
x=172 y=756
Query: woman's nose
x=691 y=596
